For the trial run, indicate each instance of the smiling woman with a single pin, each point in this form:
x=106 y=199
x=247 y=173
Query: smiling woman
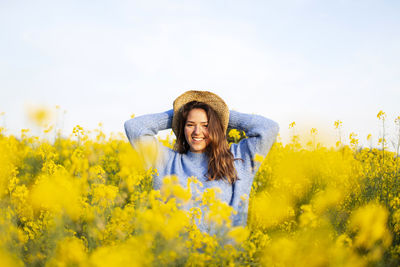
x=199 y=130
x=200 y=120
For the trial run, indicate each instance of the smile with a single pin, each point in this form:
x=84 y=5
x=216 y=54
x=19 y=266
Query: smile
x=198 y=139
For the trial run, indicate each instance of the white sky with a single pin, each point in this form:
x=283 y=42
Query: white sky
x=307 y=61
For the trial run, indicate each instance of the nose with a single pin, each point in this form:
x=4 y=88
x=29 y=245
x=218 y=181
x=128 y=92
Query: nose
x=197 y=130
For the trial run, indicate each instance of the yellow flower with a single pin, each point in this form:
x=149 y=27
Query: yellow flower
x=337 y=124
x=40 y=115
x=69 y=251
x=258 y=158
x=239 y=234
x=133 y=252
x=172 y=188
x=313 y=131
x=235 y=134
x=58 y=192
x=8 y=259
x=369 y=222
x=397 y=120
x=381 y=115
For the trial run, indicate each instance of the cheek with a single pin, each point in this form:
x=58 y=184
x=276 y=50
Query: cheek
x=187 y=133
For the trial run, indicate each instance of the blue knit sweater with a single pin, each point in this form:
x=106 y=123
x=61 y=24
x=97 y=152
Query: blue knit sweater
x=261 y=133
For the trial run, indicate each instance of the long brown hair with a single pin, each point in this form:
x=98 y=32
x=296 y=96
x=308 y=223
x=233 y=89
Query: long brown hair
x=220 y=158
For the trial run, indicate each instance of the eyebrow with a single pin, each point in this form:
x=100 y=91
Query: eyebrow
x=195 y=122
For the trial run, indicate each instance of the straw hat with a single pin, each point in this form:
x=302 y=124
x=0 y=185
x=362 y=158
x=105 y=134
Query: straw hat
x=211 y=99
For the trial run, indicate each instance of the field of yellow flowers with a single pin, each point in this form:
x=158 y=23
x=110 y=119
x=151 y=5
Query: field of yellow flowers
x=89 y=202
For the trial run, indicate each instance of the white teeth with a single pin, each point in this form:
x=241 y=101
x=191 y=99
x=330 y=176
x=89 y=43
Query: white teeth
x=197 y=139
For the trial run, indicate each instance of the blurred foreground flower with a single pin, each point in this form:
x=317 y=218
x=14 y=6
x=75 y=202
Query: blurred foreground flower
x=41 y=116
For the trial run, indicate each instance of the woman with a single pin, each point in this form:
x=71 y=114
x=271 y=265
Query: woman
x=200 y=120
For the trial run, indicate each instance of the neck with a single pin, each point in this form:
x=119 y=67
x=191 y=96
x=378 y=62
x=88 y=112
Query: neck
x=196 y=155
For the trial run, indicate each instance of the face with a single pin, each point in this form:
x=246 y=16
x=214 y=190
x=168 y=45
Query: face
x=196 y=130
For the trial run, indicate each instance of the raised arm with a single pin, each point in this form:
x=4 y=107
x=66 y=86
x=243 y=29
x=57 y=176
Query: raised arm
x=147 y=125
x=261 y=133
x=142 y=130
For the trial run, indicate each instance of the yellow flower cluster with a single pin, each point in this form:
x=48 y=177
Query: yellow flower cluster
x=90 y=202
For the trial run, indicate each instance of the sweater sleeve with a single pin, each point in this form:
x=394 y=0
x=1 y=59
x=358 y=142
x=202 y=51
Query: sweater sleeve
x=261 y=134
x=141 y=133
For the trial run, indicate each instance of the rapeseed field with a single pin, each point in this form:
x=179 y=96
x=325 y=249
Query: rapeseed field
x=88 y=201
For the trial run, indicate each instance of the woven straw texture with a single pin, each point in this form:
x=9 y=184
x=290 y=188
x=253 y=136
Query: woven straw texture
x=214 y=101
